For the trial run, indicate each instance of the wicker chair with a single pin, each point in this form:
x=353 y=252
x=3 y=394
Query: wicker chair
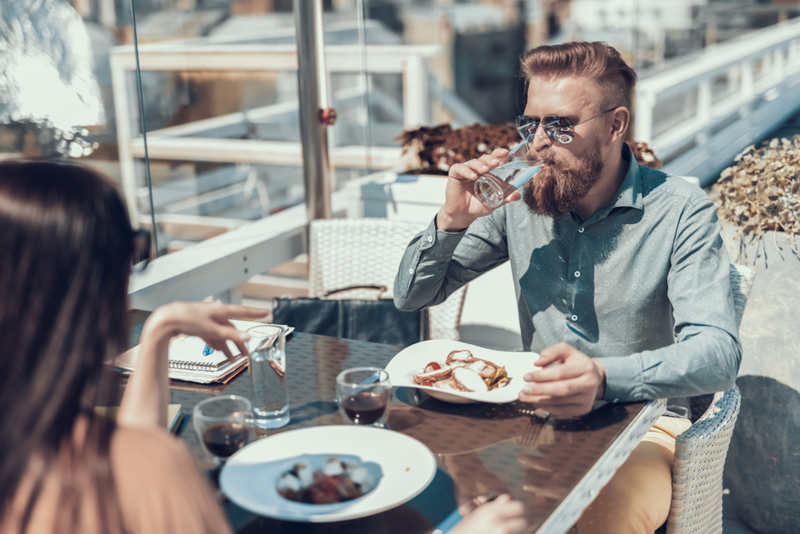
x=700 y=451
x=347 y=252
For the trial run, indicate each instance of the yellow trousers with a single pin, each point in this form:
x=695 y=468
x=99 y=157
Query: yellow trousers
x=638 y=497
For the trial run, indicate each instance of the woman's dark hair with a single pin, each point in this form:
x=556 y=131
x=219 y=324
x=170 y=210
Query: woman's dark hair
x=65 y=257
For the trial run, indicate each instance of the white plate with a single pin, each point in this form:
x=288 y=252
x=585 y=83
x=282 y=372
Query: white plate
x=249 y=477
x=412 y=360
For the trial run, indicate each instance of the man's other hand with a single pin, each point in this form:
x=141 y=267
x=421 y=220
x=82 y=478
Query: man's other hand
x=568 y=388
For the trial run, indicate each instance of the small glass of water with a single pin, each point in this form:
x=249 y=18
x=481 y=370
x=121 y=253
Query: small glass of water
x=270 y=394
x=514 y=171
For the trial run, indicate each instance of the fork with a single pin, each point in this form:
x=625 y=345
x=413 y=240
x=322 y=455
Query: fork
x=538 y=418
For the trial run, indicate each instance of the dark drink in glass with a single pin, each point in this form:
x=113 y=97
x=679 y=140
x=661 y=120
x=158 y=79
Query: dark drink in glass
x=366 y=407
x=224 y=439
x=363 y=395
x=223 y=425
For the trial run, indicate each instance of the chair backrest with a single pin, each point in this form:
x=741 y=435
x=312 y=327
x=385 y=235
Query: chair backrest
x=347 y=252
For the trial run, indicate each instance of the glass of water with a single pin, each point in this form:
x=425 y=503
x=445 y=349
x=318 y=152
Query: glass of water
x=270 y=394
x=514 y=171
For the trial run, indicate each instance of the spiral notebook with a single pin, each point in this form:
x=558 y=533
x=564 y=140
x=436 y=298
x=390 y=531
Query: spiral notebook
x=189 y=360
x=191 y=354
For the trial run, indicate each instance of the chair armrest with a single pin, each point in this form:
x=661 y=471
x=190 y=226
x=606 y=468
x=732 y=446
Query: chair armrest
x=697 y=470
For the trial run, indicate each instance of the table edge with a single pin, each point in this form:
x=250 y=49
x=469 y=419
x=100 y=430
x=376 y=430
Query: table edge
x=584 y=492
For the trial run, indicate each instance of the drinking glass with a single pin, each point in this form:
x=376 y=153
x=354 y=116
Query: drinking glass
x=363 y=395
x=514 y=171
x=222 y=424
x=270 y=394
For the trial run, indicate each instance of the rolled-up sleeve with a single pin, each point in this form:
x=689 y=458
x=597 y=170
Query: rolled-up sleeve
x=437 y=263
x=707 y=352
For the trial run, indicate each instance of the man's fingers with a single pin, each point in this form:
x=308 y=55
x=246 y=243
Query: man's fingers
x=461 y=171
x=513 y=197
x=555 y=353
x=564 y=371
x=558 y=388
x=490 y=160
x=551 y=400
x=500 y=153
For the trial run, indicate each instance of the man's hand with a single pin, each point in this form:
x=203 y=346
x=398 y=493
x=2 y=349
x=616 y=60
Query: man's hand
x=568 y=388
x=461 y=206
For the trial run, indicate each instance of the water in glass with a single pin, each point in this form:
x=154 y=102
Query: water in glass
x=270 y=394
x=518 y=167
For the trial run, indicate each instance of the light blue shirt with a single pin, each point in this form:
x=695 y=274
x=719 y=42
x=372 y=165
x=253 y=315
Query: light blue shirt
x=643 y=284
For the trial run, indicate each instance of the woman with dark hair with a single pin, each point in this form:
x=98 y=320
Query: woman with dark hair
x=66 y=247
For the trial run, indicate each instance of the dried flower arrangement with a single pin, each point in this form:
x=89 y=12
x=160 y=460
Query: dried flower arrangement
x=761 y=192
x=433 y=150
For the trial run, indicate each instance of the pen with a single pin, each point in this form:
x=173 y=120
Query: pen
x=207 y=351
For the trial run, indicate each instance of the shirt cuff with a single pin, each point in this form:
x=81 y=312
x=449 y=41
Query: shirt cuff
x=446 y=242
x=623 y=378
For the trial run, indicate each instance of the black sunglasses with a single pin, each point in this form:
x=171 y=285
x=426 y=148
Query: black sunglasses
x=559 y=129
x=141 y=249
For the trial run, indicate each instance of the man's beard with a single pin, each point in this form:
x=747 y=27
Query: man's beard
x=556 y=190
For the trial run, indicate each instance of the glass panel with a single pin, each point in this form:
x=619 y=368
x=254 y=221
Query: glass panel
x=56 y=99
x=219 y=91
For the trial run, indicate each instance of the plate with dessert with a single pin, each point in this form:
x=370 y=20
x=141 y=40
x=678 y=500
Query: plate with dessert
x=461 y=373
x=327 y=473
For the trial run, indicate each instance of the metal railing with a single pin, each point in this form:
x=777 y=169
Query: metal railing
x=170 y=143
x=699 y=114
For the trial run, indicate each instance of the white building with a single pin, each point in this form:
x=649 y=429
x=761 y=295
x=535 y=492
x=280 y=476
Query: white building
x=651 y=30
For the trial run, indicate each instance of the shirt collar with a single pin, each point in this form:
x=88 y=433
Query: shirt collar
x=629 y=194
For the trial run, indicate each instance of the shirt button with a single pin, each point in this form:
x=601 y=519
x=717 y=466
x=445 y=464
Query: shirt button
x=580 y=230
x=574 y=317
x=411 y=271
x=577 y=274
x=430 y=239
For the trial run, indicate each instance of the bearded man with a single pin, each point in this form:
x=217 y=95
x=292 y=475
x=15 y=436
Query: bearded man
x=620 y=273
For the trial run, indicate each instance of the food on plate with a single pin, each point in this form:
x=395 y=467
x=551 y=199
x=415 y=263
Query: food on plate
x=336 y=482
x=461 y=371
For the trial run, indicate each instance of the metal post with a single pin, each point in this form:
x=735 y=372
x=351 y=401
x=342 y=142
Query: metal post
x=313 y=133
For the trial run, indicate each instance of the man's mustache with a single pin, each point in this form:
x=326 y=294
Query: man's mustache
x=543 y=157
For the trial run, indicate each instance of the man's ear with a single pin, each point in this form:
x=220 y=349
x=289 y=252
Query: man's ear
x=620 y=120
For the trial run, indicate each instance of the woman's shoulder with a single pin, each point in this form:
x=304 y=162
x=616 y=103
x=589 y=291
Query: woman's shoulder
x=144 y=444
x=160 y=487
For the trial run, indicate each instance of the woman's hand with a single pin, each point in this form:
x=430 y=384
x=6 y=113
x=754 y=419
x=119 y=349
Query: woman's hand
x=500 y=516
x=207 y=320
x=144 y=403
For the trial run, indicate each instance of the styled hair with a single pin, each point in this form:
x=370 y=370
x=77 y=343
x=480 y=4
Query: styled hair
x=595 y=61
x=67 y=245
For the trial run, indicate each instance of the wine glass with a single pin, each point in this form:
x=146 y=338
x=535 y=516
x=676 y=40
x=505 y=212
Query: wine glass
x=363 y=395
x=222 y=424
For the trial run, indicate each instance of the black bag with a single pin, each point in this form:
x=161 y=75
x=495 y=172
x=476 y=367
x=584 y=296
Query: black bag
x=376 y=320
